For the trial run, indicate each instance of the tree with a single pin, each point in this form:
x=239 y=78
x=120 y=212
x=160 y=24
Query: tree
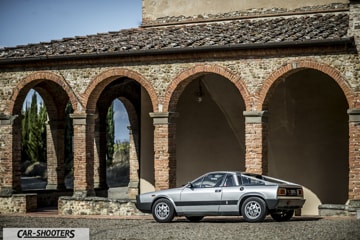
x=24 y=134
x=122 y=149
x=34 y=132
x=42 y=119
x=110 y=132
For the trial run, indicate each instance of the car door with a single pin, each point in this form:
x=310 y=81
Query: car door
x=203 y=196
x=231 y=194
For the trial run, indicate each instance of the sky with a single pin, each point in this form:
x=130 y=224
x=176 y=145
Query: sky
x=34 y=21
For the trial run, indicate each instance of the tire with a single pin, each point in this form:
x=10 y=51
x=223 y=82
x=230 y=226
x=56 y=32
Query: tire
x=281 y=216
x=194 y=218
x=254 y=209
x=163 y=211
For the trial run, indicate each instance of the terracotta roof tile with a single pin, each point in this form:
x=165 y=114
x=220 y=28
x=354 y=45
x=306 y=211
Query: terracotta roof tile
x=228 y=33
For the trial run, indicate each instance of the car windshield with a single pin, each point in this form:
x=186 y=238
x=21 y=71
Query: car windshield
x=209 y=180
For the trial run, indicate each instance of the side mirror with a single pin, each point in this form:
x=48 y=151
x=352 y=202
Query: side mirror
x=189 y=185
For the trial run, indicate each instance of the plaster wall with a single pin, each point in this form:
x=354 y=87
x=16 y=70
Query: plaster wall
x=307 y=122
x=210 y=133
x=146 y=145
x=153 y=9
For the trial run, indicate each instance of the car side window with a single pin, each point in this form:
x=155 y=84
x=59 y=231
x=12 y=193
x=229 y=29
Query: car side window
x=229 y=181
x=209 y=181
x=247 y=180
x=239 y=179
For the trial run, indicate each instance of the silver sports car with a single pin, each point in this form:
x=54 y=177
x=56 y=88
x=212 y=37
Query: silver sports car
x=225 y=193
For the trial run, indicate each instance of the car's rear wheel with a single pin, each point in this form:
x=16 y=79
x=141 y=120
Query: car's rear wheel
x=254 y=209
x=194 y=218
x=163 y=211
x=284 y=215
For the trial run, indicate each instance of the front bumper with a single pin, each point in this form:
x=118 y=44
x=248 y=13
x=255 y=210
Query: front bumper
x=141 y=206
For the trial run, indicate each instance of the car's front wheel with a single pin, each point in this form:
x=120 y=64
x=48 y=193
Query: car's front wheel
x=284 y=215
x=254 y=209
x=163 y=211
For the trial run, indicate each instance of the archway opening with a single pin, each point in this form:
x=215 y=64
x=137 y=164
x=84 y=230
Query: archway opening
x=210 y=129
x=308 y=135
x=125 y=104
x=34 y=118
x=117 y=157
x=39 y=102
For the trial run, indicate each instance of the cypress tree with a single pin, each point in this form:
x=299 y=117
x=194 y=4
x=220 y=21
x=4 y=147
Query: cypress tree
x=42 y=119
x=110 y=134
x=25 y=134
x=34 y=132
x=32 y=148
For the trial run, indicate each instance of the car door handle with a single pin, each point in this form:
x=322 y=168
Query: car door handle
x=218 y=190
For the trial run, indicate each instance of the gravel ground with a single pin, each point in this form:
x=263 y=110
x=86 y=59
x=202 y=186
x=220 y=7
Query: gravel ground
x=210 y=228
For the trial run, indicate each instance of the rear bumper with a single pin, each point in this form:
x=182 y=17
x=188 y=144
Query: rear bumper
x=143 y=207
x=286 y=203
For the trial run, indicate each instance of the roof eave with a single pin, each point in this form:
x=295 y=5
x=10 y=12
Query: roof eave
x=344 y=44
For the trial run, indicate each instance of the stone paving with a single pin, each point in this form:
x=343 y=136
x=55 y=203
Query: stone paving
x=144 y=227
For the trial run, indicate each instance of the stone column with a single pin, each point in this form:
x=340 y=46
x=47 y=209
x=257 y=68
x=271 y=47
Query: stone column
x=84 y=125
x=255 y=142
x=55 y=150
x=100 y=156
x=133 y=187
x=10 y=154
x=354 y=158
x=165 y=149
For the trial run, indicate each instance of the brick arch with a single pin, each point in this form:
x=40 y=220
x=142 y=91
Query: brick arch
x=31 y=80
x=99 y=83
x=284 y=71
x=176 y=87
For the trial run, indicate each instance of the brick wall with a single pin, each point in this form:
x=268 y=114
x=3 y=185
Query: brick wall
x=164 y=151
x=253 y=77
x=255 y=139
x=354 y=154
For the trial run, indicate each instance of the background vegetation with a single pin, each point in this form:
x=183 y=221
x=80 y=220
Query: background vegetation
x=34 y=144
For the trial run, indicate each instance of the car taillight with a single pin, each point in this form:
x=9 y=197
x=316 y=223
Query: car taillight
x=281 y=192
x=300 y=192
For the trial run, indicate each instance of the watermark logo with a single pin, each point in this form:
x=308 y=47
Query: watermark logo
x=46 y=233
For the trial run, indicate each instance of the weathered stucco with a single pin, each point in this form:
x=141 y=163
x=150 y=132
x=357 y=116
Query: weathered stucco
x=153 y=9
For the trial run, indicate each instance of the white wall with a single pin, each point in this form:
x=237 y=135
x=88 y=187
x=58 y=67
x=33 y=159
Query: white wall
x=153 y=9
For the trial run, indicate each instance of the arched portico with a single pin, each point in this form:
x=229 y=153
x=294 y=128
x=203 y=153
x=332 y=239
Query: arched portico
x=313 y=99
x=166 y=121
x=56 y=95
x=138 y=98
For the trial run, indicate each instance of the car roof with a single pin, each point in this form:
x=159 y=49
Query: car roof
x=228 y=172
